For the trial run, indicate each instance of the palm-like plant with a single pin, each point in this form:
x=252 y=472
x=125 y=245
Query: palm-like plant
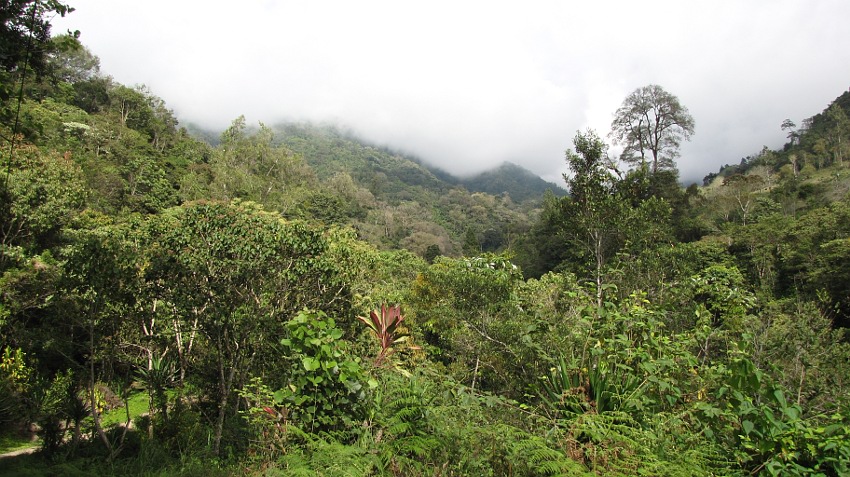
x=601 y=388
x=386 y=328
x=156 y=378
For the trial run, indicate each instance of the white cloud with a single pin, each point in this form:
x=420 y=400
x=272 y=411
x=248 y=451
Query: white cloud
x=467 y=85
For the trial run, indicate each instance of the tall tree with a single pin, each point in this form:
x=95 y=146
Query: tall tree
x=24 y=41
x=70 y=61
x=25 y=31
x=594 y=212
x=793 y=133
x=651 y=122
x=236 y=273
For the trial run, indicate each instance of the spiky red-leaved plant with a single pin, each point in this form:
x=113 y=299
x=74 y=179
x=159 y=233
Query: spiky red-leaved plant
x=385 y=328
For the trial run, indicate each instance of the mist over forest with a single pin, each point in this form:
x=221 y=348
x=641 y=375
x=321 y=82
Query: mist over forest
x=292 y=299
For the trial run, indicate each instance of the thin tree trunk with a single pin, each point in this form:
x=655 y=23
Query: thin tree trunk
x=599 y=262
x=475 y=371
x=92 y=396
x=225 y=386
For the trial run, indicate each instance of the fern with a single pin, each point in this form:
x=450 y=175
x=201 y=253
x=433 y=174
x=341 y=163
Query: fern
x=615 y=444
x=406 y=438
x=538 y=458
x=324 y=458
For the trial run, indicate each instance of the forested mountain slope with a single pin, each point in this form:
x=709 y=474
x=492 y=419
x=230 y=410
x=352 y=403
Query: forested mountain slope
x=329 y=150
x=401 y=202
x=517 y=182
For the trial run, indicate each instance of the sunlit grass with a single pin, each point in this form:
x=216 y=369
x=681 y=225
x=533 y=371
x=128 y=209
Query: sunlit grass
x=138 y=404
x=11 y=443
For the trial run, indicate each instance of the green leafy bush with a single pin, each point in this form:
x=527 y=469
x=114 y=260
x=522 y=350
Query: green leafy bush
x=327 y=388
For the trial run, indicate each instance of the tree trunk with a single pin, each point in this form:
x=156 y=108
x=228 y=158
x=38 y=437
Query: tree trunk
x=599 y=262
x=225 y=386
x=475 y=372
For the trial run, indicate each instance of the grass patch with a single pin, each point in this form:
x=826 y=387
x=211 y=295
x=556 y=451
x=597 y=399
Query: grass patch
x=138 y=404
x=11 y=443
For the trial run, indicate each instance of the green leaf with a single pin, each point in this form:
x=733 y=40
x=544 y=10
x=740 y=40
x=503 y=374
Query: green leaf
x=793 y=412
x=780 y=398
x=280 y=396
x=310 y=364
x=747 y=426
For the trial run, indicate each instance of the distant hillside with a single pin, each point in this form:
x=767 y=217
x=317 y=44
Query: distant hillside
x=823 y=123
x=391 y=199
x=518 y=182
x=813 y=145
x=199 y=132
x=330 y=150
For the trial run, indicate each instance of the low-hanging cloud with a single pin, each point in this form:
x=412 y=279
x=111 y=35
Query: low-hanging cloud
x=468 y=85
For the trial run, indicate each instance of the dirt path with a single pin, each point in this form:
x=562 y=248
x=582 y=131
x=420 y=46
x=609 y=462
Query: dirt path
x=15 y=453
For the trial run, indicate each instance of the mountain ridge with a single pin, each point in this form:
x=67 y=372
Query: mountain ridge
x=332 y=149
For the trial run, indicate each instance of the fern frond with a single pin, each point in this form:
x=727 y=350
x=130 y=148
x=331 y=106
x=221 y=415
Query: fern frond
x=541 y=459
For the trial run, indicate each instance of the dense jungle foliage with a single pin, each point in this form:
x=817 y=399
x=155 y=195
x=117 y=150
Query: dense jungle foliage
x=288 y=301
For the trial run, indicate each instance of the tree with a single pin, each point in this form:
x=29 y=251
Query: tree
x=432 y=252
x=252 y=167
x=24 y=42
x=25 y=32
x=542 y=249
x=840 y=128
x=594 y=212
x=40 y=193
x=238 y=272
x=71 y=61
x=467 y=309
x=471 y=247
x=793 y=134
x=742 y=188
x=651 y=121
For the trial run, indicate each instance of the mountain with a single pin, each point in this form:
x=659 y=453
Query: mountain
x=812 y=163
x=516 y=181
x=330 y=150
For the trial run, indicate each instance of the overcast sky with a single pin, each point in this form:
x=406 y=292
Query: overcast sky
x=467 y=85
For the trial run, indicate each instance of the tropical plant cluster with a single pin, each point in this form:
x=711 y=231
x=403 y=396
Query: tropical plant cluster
x=172 y=306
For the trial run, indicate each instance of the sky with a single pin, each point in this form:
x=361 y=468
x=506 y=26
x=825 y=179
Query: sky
x=468 y=85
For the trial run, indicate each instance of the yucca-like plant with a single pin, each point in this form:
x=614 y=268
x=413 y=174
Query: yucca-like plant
x=602 y=388
x=387 y=329
x=156 y=377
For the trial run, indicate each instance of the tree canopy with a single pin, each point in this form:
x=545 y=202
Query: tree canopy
x=650 y=125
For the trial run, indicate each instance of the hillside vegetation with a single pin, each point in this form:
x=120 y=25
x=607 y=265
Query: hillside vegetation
x=288 y=300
